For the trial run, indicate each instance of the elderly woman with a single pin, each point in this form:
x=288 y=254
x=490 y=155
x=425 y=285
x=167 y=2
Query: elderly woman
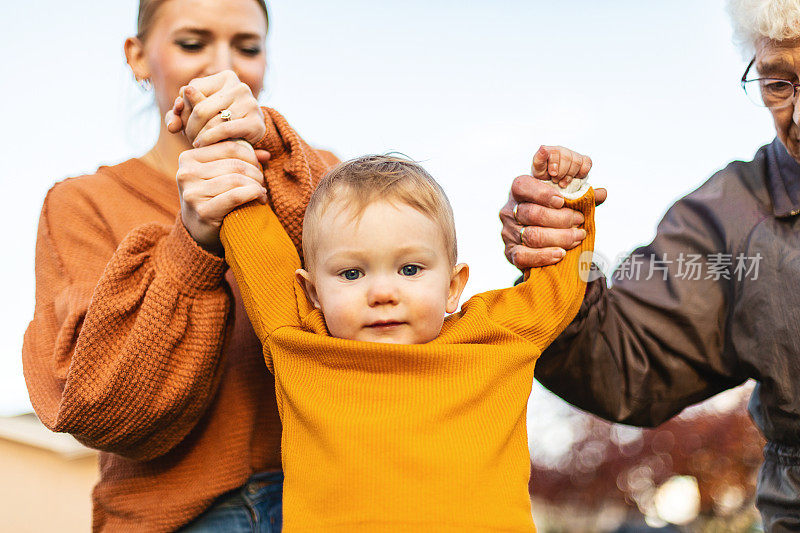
x=715 y=299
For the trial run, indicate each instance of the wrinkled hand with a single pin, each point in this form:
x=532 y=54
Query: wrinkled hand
x=212 y=182
x=197 y=109
x=550 y=228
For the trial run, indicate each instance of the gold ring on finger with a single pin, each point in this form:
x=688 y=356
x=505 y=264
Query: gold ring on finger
x=225 y=114
x=515 y=213
x=522 y=235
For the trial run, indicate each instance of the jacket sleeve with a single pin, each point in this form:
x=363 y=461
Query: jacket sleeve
x=124 y=347
x=539 y=308
x=656 y=342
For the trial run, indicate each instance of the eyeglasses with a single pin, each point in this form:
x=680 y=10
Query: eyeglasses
x=774 y=93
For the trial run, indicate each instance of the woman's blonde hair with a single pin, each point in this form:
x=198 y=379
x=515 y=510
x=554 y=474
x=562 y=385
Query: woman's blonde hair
x=754 y=20
x=370 y=178
x=149 y=8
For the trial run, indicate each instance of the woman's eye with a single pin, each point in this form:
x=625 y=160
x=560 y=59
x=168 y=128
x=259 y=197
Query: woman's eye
x=410 y=270
x=777 y=88
x=351 y=274
x=190 y=46
x=250 y=51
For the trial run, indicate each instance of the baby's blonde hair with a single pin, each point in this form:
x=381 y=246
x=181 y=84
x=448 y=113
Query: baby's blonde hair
x=370 y=178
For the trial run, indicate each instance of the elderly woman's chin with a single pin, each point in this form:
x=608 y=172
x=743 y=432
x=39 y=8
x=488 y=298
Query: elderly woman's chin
x=794 y=149
x=789 y=135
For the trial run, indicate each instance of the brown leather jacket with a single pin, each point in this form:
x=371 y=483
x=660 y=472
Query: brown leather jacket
x=712 y=301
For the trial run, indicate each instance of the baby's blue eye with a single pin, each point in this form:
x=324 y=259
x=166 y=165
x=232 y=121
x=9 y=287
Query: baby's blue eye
x=410 y=270
x=351 y=274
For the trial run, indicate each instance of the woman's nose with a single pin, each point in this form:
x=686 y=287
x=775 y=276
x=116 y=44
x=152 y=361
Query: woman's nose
x=796 y=109
x=222 y=59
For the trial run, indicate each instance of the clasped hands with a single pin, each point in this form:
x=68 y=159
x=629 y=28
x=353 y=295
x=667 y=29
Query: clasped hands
x=220 y=172
x=537 y=228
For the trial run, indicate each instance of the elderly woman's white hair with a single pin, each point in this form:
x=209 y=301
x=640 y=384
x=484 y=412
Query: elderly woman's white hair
x=756 y=19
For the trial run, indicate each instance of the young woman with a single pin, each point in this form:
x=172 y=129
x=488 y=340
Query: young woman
x=139 y=345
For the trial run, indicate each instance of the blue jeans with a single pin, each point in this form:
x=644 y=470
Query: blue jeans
x=256 y=507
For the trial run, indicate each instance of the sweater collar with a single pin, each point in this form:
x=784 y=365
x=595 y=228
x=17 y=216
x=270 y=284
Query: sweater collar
x=783 y=180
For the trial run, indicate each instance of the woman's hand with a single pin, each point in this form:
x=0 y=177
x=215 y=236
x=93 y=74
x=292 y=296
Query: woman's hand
x=550 y=228
x=197 y=109
x=213 y=181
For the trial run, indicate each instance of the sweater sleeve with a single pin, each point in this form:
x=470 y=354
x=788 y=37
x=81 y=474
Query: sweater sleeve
x=124 y=347
x=262 y=243
x=546 y=302
x=263 y=259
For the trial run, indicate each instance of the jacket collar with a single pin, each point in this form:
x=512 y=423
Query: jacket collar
x=783 y=180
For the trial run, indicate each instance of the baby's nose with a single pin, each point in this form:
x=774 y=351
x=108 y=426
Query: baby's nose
x=382 y=292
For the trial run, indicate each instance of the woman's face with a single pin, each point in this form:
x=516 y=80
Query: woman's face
x=781 y=59
x=195 y=38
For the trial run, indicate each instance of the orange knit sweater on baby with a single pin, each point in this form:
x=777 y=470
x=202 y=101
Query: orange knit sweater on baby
x=387 y=437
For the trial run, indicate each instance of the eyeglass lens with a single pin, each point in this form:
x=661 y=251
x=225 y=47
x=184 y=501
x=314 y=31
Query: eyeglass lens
x=770 y=92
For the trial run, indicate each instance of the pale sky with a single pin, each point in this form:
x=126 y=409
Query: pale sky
x=648 y=89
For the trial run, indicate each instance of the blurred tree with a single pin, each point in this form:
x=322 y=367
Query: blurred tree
x=614 y=466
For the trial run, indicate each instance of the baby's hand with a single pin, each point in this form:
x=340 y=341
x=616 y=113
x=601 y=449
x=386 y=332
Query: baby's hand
x=560 y=165
x=178 y=115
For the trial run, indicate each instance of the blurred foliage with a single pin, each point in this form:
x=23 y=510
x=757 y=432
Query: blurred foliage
x=612 y=473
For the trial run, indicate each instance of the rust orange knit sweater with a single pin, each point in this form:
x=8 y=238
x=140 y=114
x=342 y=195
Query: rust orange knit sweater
x=136 y=349
x=387 y=437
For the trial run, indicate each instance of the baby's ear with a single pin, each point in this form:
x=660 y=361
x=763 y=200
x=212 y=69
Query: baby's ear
x=458 y=280
x=308 y=286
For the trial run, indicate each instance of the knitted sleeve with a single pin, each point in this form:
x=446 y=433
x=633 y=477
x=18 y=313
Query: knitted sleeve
x=264 y=260
x=546 y=302
x=262 y=243
x=124 y=346
x=292 y=173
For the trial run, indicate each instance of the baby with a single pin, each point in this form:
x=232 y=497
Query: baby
x=395 y=416
x=380 y=251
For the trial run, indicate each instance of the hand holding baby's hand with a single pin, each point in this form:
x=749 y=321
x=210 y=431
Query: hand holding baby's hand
x=559 y=165
x=198 y=111
x=533 y=204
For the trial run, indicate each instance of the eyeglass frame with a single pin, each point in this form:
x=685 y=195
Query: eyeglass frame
x=795 y=86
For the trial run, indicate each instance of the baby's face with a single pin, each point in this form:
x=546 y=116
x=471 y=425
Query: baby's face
x=383 y=277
